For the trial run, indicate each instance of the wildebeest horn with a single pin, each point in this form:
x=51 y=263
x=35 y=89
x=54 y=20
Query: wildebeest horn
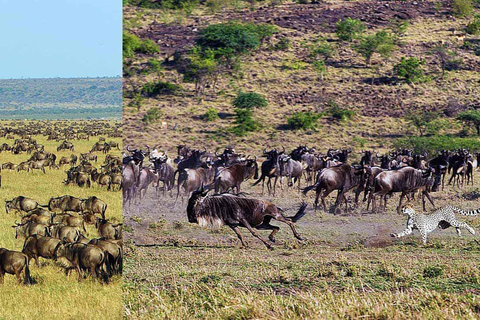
x=265 y=150
x=283 y=149
x=128 y=149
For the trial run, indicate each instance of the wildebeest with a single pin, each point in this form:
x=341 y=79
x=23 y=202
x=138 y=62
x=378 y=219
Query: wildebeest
x=405 y=180
x=37 y=246
x=342 y=178
x=88 y=157
x=95 y=206
x=108 y=230
x=65 y=204
x=165 y=173
x=234 y=175
x=84 y=257
x=30 y=228
x=191 y=179
x=235 y=211
x=65 y=145
x=14 y=262
x=269 y=169
x=79 y=178
x=23 y=166
x=68 y=233
x=291 y=169
x=113 y=252
x=102 y=179
x=130 y=175
x=21 y=204
x=147 y=176
x=8 y=166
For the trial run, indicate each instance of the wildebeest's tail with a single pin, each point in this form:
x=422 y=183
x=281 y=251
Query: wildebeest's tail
x=258 y=181
x=104 y=208
x=306 y=189
x=300 y=213
x=28 y=279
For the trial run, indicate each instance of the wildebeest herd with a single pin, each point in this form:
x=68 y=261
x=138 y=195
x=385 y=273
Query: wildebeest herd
x=212 y=181
x=52 y=232
x=58 y=230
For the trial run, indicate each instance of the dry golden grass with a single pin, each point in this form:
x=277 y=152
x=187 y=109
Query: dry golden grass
x=55 y=296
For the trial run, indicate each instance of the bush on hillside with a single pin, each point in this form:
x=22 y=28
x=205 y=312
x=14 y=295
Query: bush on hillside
x=349 y=29
x=153 y=89
x=380 y=42
x=250 y=100
x=410 y=69
x=303 y=120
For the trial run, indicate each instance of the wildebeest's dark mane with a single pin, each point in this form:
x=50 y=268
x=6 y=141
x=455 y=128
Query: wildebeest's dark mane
x=414 y=178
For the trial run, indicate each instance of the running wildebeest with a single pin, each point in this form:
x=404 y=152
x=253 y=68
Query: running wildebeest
x=13 y=262
x=235 y=211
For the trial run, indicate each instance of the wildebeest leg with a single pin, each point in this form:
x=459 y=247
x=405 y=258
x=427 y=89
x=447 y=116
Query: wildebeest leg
x=237 y=231
x=17 y=274
x=325 y=194
x=79 y=273
x=281 y=218
x=317 y=195
x=426 y=194
x=338 y=201
x=267 y=226
x=254 y=233
x=400 y=203
x=2 y=274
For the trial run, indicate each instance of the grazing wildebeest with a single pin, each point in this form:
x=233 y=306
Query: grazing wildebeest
x=116 y=180
x=65 y=145
x=84 y=257
x=113 y=252
x=102 y=179
x=108 y=230
x=30 y=228
x=79 y=178
x=72 y=221
x=23 y=166
x=95 y=206
x=21 y=204
x=14 y=262
x=269 y=169
x=65 y=204
x=234 y=175
x=88 y=157
x=61 y=231
x=42 y=219
x=37 y=246
x=342 y=178
x=8 y=166
x=405 y=180
x=235 y=211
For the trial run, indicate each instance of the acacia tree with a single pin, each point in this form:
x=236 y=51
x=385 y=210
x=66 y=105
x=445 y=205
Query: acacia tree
x=381 y=42
x=471 y=117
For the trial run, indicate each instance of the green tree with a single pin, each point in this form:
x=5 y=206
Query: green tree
x=471 y=117
x=349 y=29
x=381 y=42
x=199 y=67
x=303 y=120
x=410 y=69
x=249 y=100
x=421 y=120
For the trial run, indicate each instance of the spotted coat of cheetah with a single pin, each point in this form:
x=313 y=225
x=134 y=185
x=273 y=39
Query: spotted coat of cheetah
x=442 y=218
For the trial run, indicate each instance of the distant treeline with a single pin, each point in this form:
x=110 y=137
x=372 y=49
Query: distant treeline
x=61 y=98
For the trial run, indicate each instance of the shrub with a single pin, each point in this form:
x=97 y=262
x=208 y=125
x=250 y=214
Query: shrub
x=321 y=49
x=148 y=47
x=233 y=38
x=348 y=29
x=436 y=143
x=249 y=100
x=152 y=89
x=471 y=117
x=462 y=8
x=448 y=59
x=398 y=28
x=133 y=44
x=381 y=42
x=154 y=66
x=244 y=122
x=473 y=27
x=410 y=69
x=152 y=115
x=340 y=114
x=211 y=115
x=199 y=67
x=303 y=120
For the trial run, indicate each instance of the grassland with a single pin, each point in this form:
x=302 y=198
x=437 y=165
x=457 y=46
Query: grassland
x=55 y=296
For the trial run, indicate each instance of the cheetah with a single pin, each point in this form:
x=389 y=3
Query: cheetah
x=442 y=218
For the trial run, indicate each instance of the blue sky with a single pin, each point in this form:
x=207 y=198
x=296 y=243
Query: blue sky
x=60 y=38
